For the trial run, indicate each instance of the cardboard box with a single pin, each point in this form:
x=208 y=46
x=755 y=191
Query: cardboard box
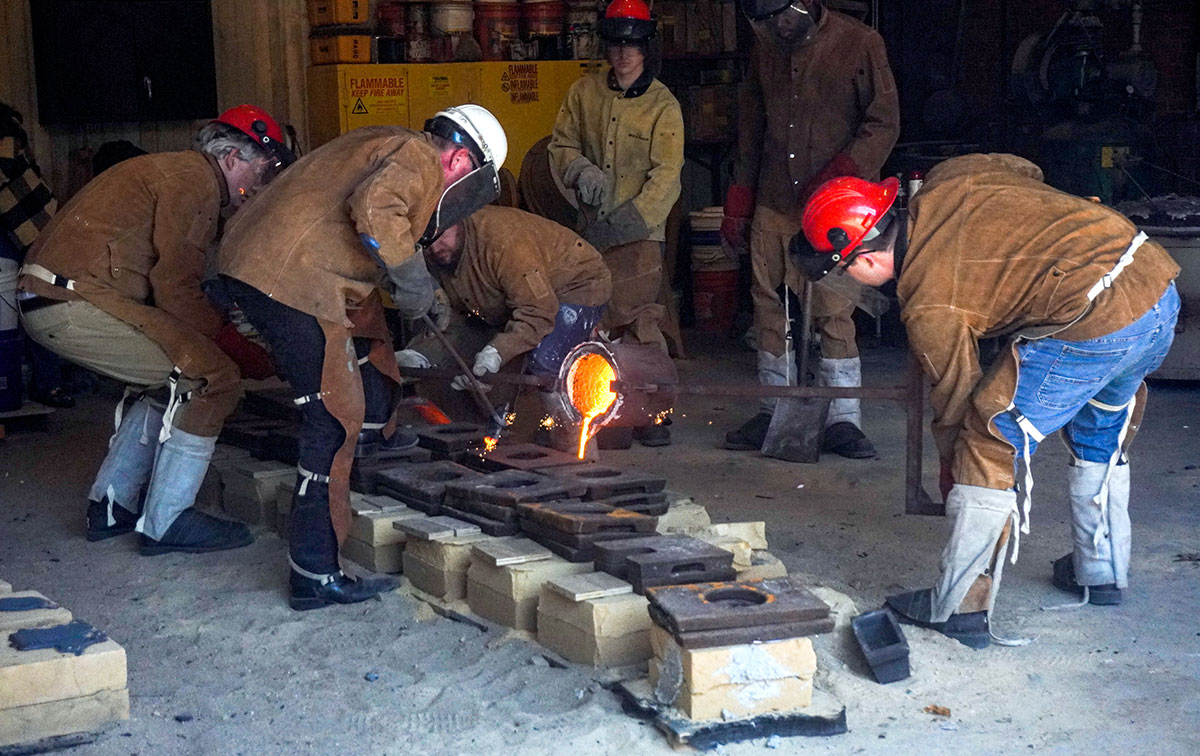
x=740 y=681
x=26 y=724
x=12 y=621
x=342 y=48
x=330 y=12
x=612 y=631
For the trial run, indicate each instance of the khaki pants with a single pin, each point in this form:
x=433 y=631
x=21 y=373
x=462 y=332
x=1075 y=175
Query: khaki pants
x=634 y=313
x=834 y=298
x=86 y=335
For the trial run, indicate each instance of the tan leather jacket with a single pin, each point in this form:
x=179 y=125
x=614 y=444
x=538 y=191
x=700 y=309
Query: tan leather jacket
x=636 y=140
x=994 y=251
x=298 y=241
x=134 y=239
x=515 y=270
x=836 y=94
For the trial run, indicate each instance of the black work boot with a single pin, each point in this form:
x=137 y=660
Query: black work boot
x=1100 y=595
x=751 y=435
x=653 y=435
x=98 y=528
x=848 y=440
x=371 y=442
x=915 y=607
x=194 y=532
x=311 y=591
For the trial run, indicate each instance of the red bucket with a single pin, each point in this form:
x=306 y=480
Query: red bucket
x=714 y=298
x=497 y=25
x=543 y=18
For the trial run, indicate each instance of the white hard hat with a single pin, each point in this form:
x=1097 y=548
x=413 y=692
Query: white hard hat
x=477 y=123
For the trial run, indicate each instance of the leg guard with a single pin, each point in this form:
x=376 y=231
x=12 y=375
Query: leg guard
x=775 y=371
x=179 y=470
x=979 y=515
x=1101 y=555
x=312 y=544
x=842 y=373
x=130 y=459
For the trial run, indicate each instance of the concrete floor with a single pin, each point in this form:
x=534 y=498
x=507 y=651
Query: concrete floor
x=211 y=641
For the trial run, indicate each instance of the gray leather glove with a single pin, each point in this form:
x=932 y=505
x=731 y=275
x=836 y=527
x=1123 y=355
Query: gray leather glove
x=412 y=287
x=588 y=181
x=622 y=226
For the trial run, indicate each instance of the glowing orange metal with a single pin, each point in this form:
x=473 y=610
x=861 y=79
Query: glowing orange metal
x=591 y=391
x=489 y=444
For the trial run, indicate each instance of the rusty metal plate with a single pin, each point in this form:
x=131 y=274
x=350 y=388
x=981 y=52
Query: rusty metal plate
x=664 y=560
x=603 y=481
x=486 y=524
x=497 y=512
x=737 y=636
x=587 y=517
x=420 y=481
x=451 y=438
x=575 y=540
x=652 y=504
x=530 y=457
x=513 y=487
x=714 y=606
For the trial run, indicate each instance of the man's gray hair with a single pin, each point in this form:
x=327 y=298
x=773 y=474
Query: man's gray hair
x=219 y=139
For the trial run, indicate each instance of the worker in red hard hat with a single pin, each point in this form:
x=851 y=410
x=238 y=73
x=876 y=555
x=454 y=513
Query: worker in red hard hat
x=617 y=147
x=820 y=102
x=986 y=248
x=113 y=283
x=305 y=264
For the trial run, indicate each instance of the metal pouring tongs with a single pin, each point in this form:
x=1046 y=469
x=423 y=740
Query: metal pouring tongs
x=497 y=420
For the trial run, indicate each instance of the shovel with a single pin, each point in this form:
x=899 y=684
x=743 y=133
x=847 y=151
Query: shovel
x=797 y=425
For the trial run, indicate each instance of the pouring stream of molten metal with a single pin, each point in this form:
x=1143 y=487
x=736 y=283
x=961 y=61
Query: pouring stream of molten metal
x=591 y=391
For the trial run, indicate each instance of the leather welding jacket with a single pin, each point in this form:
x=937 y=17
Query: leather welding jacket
x=635 y=136
x=834 y=95
x=515 y=270
x=134 y=241
x=994 y=251
x=298 y=240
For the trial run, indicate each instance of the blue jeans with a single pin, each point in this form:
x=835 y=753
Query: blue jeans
x=1057 y=381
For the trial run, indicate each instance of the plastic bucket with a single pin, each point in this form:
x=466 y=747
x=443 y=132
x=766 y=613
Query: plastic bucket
x=8 y=293
x=451 y=18
x=497 y=25
x=714 y=298
x=543 y=18
x=10 y=370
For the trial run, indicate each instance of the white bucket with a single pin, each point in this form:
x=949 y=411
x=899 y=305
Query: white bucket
x=452 y=17
x=8 y=293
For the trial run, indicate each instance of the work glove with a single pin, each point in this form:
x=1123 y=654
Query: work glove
x=735 y=225
x=841 y=165
x=487 y=360
x=945 y=480
x=411 y=358
x=588 y=181
x=622 y=226
x=439 y=311
x=252 y=360
x=412 y=286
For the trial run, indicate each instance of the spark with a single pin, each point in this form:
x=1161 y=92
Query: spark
x=547 y=422
x=489 y=444
x=510 y=418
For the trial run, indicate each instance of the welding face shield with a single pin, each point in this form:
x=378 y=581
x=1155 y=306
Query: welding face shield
x=461 y=199
x=783 y=24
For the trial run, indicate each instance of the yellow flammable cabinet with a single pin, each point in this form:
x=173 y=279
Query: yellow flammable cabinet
x=524 y=95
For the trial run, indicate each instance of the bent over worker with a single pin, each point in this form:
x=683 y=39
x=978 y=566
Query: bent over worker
x=305 y=262
x=987 y=249
x=113 y=284
x=618 y=144
x=820 y=102
x=519 y=287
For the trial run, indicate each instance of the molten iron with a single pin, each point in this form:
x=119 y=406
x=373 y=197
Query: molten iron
x=591 y=391
x=489 y=444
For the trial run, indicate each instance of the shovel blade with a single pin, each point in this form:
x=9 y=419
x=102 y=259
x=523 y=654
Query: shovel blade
x=797 y=426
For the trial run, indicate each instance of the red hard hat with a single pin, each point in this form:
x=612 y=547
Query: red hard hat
x=838 y=217
x=258 y=124
x=627 y=21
